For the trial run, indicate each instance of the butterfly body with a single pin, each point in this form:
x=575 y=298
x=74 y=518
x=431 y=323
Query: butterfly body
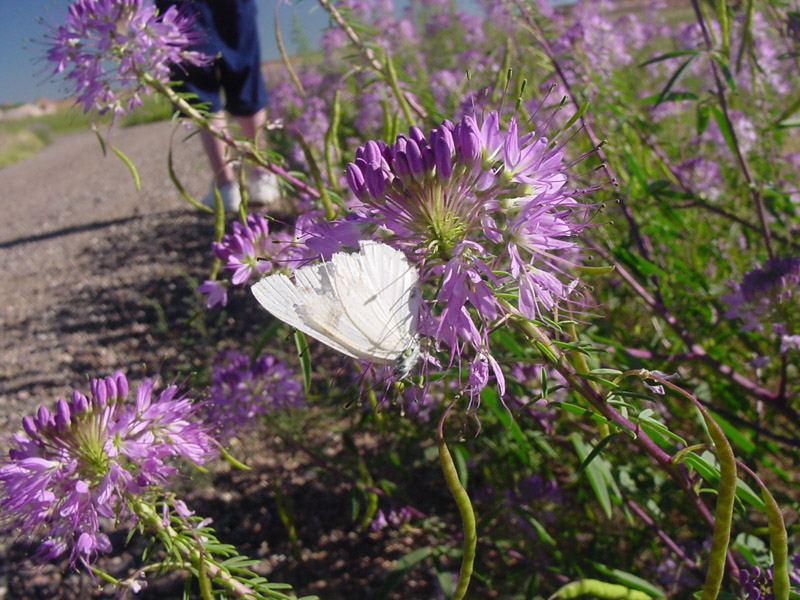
x=365 y=304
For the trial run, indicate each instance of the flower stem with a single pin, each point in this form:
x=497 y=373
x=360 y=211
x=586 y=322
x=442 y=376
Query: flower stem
x=206 y=568
x=582 y=367
x=464 y=507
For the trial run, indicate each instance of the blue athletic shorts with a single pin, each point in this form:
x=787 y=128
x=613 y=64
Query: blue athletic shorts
x=229 y=32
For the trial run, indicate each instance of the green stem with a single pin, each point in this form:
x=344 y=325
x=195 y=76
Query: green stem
x=582 y=367
x=778 y=540
x=195 y=556
x=464 y=507
x=723 y=517
x=284 y=56
x=245 y=149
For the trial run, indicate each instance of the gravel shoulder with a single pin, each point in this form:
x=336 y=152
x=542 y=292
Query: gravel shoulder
x=78 y=243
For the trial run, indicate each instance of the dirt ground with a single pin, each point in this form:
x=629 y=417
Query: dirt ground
x=96 y=277
x=75 y=237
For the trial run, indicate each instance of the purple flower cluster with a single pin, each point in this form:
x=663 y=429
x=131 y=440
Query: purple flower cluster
x=90 y=457
x=757 y=581
x=394 y=519
x=593 y=38
x=764 y=73
x=104 y=46
x=249 y=251
x=767 y=296
x=485 y=212
x=242 y=390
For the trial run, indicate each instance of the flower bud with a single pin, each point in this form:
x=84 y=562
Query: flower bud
x=43 y=418
x=79 y=403
x=30 y=427
x=372 y=154
x=467 y=142
x=414 y=156
x=400 y=165
x=62 y=415
x=111 y=389
x=122 y=382
x=415 y=133
x=442 y=158
x=376 y=182
x=355 y=179
x=98 y=389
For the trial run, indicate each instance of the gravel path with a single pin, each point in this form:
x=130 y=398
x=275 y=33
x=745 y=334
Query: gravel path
x=79 y=245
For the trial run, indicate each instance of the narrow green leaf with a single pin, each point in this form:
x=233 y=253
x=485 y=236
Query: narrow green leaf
x=596 y=451
x=676 y=77
x=710 y=473
x=178 y=186
x=594 y=474
x=667 y=56
x=722 y=123
x=702 y=118
x=131 y=167
x=102 y=142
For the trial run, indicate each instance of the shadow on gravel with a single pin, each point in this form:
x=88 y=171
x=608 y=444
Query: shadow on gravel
x=49 y=235
x=131 y=306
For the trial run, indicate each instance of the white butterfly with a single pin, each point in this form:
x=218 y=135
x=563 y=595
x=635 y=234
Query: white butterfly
x=365 y=304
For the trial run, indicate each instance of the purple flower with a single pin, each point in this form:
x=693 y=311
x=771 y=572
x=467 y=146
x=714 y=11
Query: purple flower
x=395 y=518
x=490 y=217
x=766 y=295
x=91 y=457
x=249 y=250
x=242 y=390
x=216 y=291
x=105 y=46
x=756 y=583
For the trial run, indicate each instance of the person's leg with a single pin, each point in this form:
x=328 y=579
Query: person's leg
x=263 y=187
x=224 y=174
x=215 y=150
x=250 y=124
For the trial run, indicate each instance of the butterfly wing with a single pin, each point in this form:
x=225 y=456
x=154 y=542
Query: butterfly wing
x=312 y=310
x=364 y=305
x=383 y=301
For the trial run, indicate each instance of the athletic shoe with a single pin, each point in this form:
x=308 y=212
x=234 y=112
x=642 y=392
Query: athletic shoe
x=263 y=188
x=229 y=192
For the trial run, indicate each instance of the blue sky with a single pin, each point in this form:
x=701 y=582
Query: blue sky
x=24 y=77
x=21 y=75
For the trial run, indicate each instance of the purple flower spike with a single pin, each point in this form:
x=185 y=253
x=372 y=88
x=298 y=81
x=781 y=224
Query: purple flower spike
x=92 y=460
